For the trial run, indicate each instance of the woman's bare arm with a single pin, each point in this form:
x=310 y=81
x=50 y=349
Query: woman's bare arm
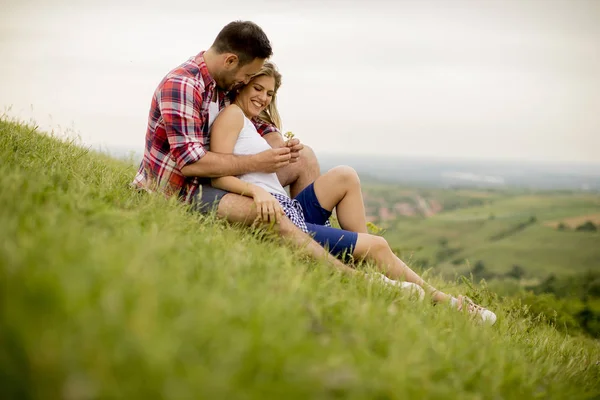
x=223 y=136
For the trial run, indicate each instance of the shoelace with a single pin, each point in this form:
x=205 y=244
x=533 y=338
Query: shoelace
x=475 y=309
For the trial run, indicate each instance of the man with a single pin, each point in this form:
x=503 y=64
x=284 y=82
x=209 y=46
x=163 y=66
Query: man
x=177 y=160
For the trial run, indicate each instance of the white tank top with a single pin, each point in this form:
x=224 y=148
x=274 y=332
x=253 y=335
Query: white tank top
x=250 y=142
x=213 y=111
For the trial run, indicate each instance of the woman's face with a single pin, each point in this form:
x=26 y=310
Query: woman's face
x=256 y=96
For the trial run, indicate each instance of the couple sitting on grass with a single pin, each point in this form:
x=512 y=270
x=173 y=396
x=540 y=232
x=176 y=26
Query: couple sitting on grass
x=225 y=97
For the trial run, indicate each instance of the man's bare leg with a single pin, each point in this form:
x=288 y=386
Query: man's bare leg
x=241 y=209
x=237 y=209
x=300 y=174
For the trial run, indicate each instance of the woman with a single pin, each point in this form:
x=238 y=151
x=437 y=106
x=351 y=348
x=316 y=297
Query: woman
x=233 y=132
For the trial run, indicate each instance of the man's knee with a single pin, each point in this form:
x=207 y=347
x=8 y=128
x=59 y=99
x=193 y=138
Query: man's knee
x=241 y=209
x=308 y=158
x=302 y=172
x=237 y=209
x=307 y=168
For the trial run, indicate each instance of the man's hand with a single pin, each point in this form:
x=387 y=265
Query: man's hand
x=295 y=146
x=271 y=160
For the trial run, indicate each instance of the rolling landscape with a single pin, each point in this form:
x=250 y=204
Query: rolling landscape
x=544 y=233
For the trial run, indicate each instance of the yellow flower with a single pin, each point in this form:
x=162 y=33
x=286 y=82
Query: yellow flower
x=374 y=229
x=288 y=135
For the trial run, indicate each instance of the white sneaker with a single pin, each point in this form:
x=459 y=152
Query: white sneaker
x=412 y=288
x=487 y=316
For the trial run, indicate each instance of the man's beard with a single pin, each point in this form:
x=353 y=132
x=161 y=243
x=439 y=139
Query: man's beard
x=225 y=81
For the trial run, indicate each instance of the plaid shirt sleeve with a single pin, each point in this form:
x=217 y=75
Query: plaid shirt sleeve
x=179 y=102
x=263 y=127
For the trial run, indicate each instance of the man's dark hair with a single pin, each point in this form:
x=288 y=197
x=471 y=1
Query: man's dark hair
x=244 y=39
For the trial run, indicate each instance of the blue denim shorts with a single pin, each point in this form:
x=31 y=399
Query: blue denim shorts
x=338 y=242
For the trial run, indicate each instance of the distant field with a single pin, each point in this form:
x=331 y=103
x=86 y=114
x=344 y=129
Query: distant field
x=574 y=222
x=501 y=229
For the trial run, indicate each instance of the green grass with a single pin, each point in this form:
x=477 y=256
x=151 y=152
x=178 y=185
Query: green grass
x=108 y=293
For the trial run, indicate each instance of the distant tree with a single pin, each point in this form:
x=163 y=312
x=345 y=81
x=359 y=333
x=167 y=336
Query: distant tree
x=532 y=219
x=443 y=242
x=422 y=262
x=480 y=272
x=445 y=253
x=397 y=251
x=516 y=272
x=582 y=285
x=548 y=285
x=587 y=226
x=594 y=288
x=478 y=268
x=586 y=317
x=561 y=227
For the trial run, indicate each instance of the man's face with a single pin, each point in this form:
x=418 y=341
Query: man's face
x=233 y=75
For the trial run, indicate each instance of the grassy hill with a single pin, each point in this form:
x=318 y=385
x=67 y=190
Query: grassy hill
x=498 y=228
x=108 y=293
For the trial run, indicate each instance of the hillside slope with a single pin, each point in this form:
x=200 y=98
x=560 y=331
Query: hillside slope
x=108 y=293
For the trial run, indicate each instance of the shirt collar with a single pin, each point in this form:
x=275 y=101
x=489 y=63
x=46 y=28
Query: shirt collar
x=206 y=77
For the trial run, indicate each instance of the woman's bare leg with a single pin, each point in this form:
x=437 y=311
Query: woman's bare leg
x=239 y=209
x=299 y=239
x=376 y=249
x=340 y=188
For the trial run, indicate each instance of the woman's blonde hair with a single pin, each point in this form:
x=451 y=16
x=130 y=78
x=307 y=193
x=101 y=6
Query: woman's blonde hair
x=271 y=114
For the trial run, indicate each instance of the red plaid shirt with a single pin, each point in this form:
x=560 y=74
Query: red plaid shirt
x=177 y=133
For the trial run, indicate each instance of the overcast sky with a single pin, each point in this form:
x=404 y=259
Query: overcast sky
x=477 y=79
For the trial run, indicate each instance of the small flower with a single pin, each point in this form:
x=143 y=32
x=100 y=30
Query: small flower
x=373 y=229
x=288 y=135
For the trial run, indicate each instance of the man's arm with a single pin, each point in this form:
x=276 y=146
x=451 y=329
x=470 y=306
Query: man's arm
x=183 y=124
x=213 y=165
x=220 y=162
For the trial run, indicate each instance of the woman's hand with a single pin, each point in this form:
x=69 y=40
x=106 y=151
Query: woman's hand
x=295 y=146
x=267 y=206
